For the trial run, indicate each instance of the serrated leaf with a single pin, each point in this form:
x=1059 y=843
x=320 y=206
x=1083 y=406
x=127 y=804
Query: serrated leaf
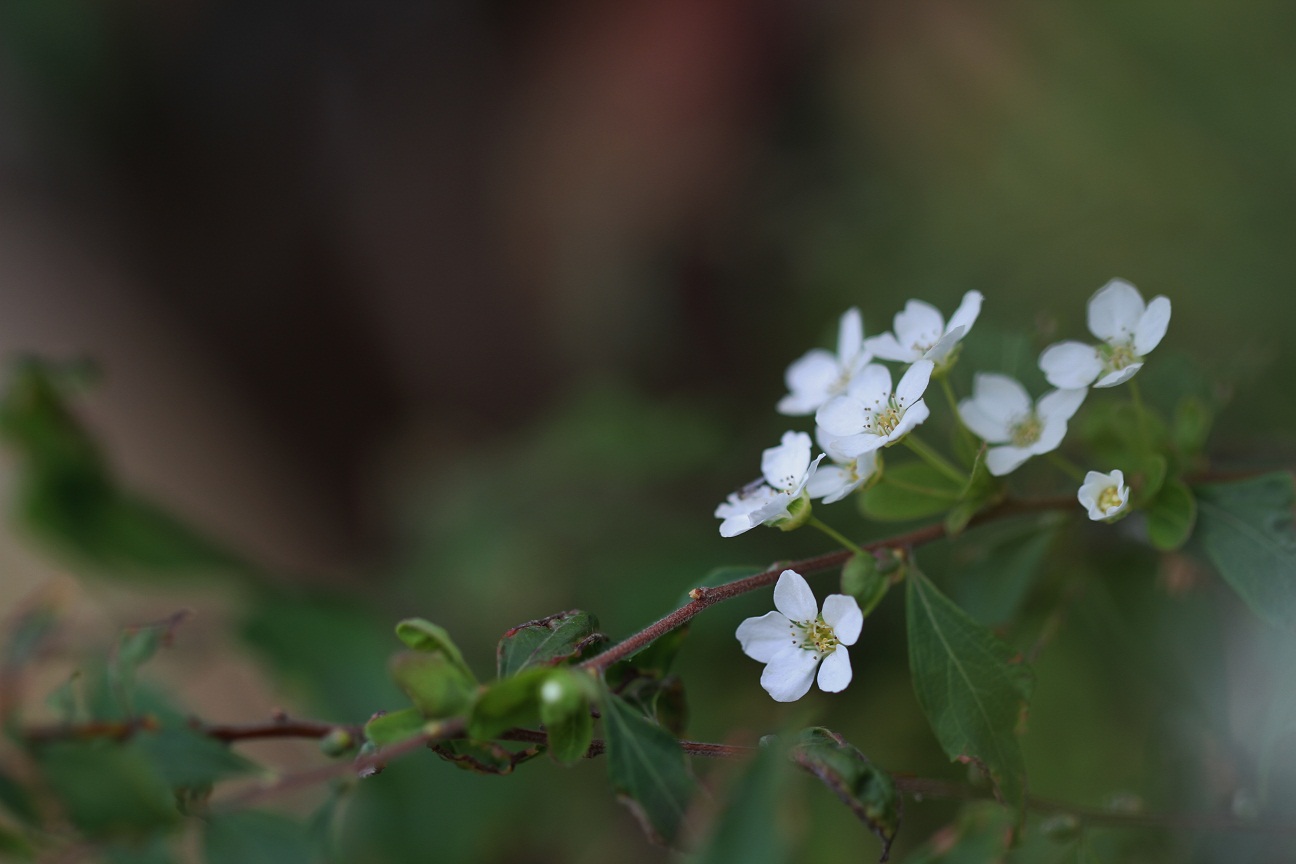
x=255 y=837
x=968 y=686
x=506 y=703
x=1171 y=516
x=422 y=635
x=1246 y=531
x=395 y=726
x=908 y=491
x=647 y=769
x=185 y=758
x=863 y=787
x=995 y=566
x=107 y=789
x=436 y=685
x=545 y=641
x=747 y=830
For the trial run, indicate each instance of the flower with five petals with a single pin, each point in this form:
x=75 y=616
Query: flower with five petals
x=818 y=376
x=785 y=470
x=871 y=415
x=1105 y=496
x=793 y=641
x=921 y=333
x=1001 y=412
x=1129 y=330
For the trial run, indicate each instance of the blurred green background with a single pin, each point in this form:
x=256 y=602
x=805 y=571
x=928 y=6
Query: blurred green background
x=474 y=311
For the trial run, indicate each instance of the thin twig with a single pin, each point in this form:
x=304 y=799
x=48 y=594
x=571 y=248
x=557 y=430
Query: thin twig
x=704 y=597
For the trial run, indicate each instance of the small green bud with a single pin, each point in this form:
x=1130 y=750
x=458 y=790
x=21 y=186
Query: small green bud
x=798 y=514
x=338 y=742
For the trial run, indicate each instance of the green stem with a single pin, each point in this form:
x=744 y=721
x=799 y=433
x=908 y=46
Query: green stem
x=964 y=432
x=934 y=459
x=836 y=535
x=1137 y=396
x=1068 y=467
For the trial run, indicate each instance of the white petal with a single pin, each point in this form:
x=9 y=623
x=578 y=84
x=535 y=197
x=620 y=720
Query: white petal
x=1060 y=404
x=788 y=676
x=966 y=313
x=885 y=347
x=842 y=416
x=842 y=613
x=920 y=325
x=1070 y=365
x=831 y=482
x=785 y=465
x=992 y=429
x=1118 y=478
x=938 y=352
x=858 y=446
x=850 y=335
x=808 y=381
x=914 y=383
x=1115 y=310
x=766 y=637
x=872 y=385
x=913 y=415
x=1005 y=460
x=1152 y=326
x=835 y=673
x=793 y=597
x=1120 y=376
x=1000 y=398
x=736 y=524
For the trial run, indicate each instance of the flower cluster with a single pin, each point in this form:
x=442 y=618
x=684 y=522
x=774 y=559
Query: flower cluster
x=859 y=409
x=857 y=412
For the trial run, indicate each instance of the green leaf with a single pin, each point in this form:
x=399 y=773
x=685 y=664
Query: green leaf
x=17 y=800
x=647 y=769
x=1246 y=531
x=395 y=726
x=862 y=579
x=660 y=698
x=546 y=641
x=506 y=703
x=425 y=636
x=1145 y=474
x=995 y=566
x=866 y=789
x=969 y=686
x=255 y=837
x=135 y=647
x=1171 y=516
x=1191 y=427
x=185 y=758
x=747 y=830
x=107 y=789
x=911 y=490
x=436 y=685
x=565 y=713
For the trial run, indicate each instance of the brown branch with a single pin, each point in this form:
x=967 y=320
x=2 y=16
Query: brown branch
x=598 y=746
x=279 y=726
x=704 y=597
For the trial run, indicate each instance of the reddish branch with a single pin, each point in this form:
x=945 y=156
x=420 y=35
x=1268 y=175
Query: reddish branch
x=704 y=597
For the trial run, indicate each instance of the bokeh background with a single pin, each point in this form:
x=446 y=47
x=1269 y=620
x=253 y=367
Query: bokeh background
x=474 y=310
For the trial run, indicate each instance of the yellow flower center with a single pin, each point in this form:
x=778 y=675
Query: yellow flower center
x=1109 y=499
x=1027 y=432
x=819 y=637
x=1118 y=356
x=886 y=421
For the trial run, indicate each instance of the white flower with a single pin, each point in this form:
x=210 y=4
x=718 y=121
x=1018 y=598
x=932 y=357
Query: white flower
x=834 y=482
x=786 y=470
x=818 y=375
x=1129 y=330
x=922 y=334
x=870 y=415
x=1104 y=495
x=794 y=640
x=1000 y=412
